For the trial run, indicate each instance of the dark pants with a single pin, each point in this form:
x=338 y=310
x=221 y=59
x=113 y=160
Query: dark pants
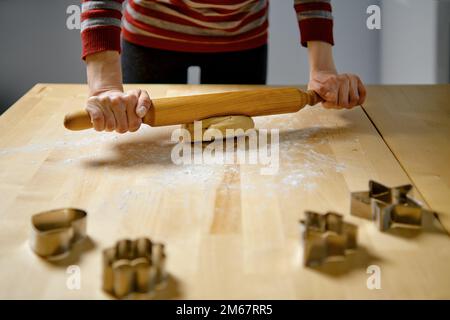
x=147 y=65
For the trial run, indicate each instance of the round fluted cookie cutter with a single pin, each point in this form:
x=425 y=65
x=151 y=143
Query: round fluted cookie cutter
x=55 y=232
x=134 y=266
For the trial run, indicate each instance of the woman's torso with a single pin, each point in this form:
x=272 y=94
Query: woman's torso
x=196 y=25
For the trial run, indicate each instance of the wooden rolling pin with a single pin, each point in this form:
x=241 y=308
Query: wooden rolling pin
x=187 y=109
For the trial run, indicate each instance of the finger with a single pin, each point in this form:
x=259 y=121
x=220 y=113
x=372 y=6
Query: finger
x=343 y=92
x=96 y=114
x=110 y=120
x=329 y=96
x=332 y=97
x=362 y=92
x=328 y=90
x=130 y=101
x=135 y=92
x=120 y=114
x=144 y=104
x=318 y=88
x=353 y=92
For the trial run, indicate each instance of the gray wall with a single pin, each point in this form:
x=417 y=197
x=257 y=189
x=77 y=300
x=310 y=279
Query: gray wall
x=415 y=41
x=356 y=48
x=443 y=40
x=37 y=47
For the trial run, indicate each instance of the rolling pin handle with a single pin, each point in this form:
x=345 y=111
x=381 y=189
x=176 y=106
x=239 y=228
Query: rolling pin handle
x=78 y=120
x=313 y=98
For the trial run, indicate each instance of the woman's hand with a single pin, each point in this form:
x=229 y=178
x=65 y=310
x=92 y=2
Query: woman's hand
x=108 y=106
x=337 y=90
x=116 y=110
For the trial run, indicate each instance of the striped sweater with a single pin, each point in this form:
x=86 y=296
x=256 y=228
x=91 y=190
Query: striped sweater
x=193 y=25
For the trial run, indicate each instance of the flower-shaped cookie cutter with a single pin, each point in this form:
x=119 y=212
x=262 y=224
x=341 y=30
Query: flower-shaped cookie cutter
x=133 y=267
x=389 y=207
x=326 y=236
x=54 y=232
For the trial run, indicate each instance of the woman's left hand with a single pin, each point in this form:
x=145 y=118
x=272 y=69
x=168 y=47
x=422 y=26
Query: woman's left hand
x=338 y=91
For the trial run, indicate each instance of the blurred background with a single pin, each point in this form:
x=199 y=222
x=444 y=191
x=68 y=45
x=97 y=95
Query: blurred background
x=411 y=47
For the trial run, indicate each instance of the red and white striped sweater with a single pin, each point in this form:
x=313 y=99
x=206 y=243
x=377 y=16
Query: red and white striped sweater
x=194 y=25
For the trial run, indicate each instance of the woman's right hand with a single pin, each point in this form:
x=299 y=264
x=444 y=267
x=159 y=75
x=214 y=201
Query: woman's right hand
x=108 y=106
x=116 y=110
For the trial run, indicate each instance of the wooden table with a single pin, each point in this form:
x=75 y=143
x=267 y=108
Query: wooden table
x=414 y=121
x=230 y=232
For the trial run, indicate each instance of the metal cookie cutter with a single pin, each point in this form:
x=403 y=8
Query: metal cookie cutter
x=326 y=236
x=133 y=267
x=389 y=207
x=55 y=232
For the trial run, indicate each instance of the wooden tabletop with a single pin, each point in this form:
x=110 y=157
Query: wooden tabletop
x=229 y=231
x=414 y=121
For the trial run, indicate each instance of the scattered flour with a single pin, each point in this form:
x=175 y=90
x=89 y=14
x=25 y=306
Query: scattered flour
x=75 y=142
x=302 y=159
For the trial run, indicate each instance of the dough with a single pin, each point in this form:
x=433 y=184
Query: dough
x=221 y=124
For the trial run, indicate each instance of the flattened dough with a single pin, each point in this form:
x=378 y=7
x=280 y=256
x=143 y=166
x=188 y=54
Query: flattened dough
x=222 y=124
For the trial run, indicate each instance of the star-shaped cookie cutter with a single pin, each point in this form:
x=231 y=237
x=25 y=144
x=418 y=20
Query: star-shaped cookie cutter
x=389 y=207
x=326 y=236
x=54 y=232
x=133 y=267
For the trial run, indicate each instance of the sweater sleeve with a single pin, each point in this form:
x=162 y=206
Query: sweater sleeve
x=315 y=20
x=100 y=26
